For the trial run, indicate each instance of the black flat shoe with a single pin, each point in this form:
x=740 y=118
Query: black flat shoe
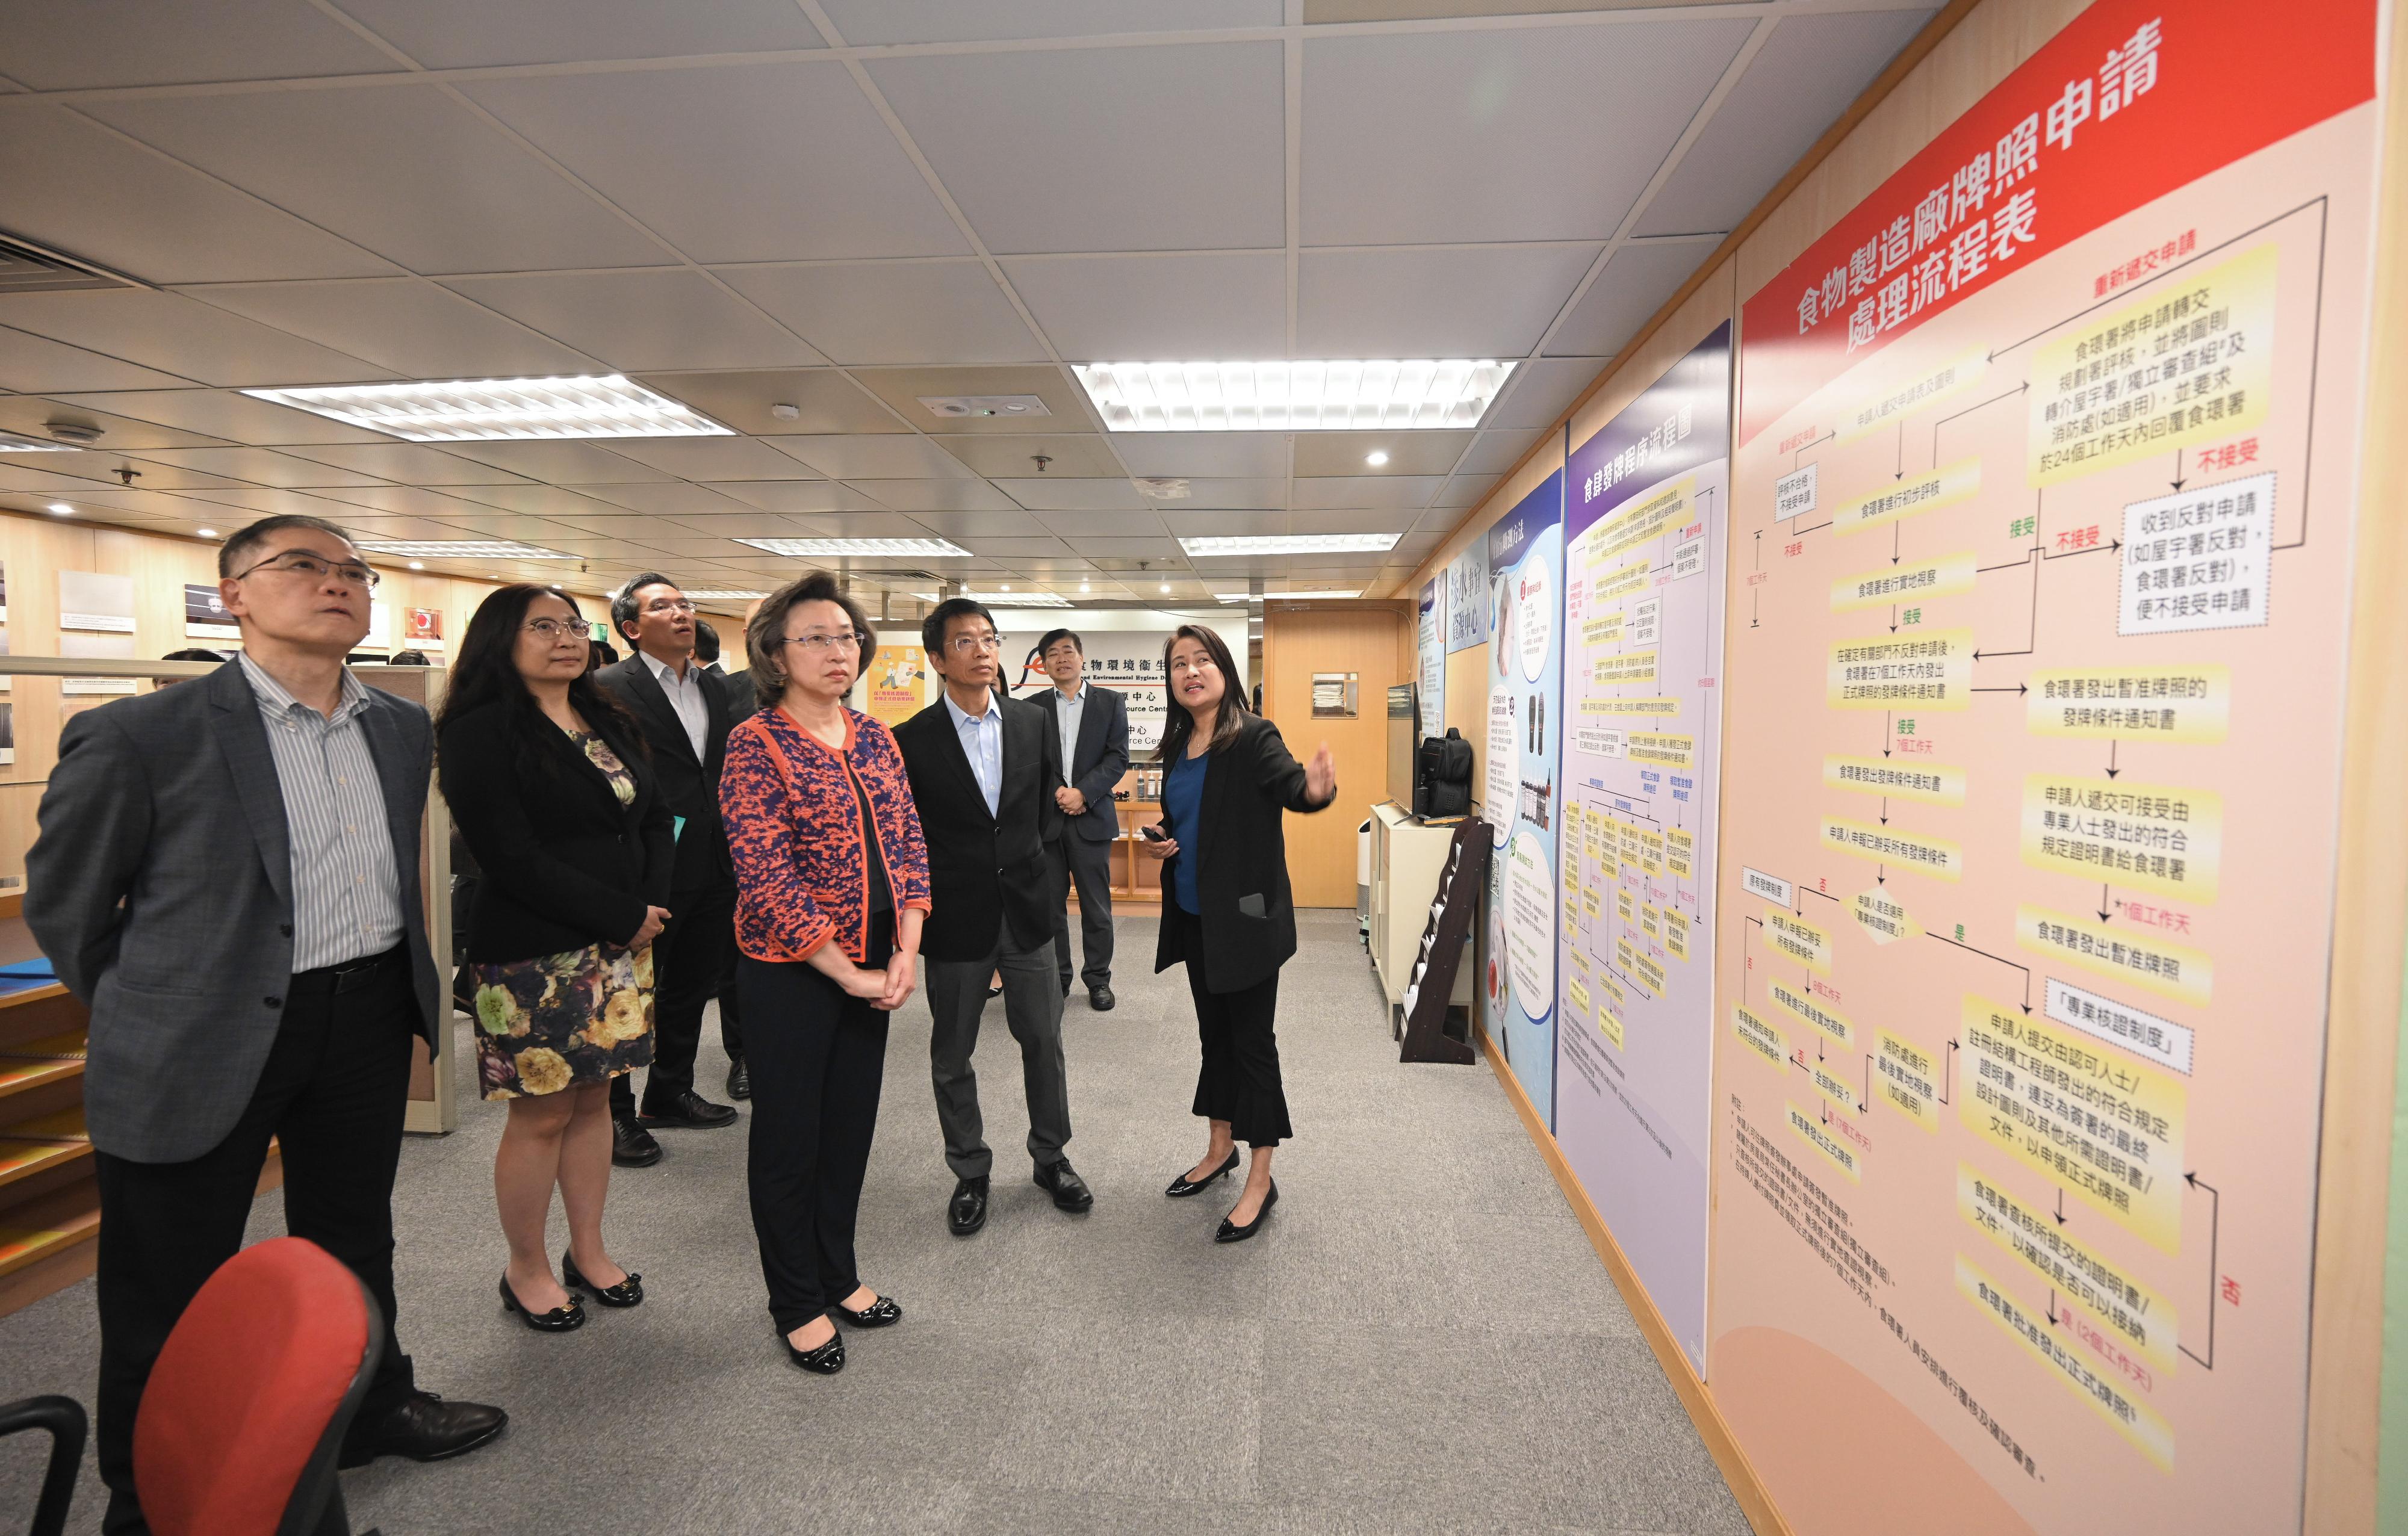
x=826 y=1361
x=1231 y=1232
x=558 y=1320
x=626 y=1293
x=1183 y=1186
x=882 y=1313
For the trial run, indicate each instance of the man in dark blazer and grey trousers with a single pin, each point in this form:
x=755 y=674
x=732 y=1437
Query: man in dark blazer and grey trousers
x=983 y=770
x=226 y=874
x=1092 y=725
x=684 y=714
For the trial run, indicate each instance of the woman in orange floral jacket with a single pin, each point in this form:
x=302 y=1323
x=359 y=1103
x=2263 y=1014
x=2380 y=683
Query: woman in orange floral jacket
x=832 y=885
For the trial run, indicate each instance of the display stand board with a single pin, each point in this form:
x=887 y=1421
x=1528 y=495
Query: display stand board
x=2039 y=588
x=1647 y=500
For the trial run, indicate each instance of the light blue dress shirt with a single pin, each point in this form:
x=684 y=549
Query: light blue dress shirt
x=982 y=741
x=1068 y=710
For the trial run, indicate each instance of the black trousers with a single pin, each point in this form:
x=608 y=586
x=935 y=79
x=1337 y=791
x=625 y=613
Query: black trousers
x=1089 y=867
x=333 y=1093
x=692 y=961
x=1239 y=1082
x=818 y=1058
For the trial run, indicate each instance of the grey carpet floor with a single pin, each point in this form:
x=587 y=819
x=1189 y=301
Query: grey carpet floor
x=1421 y=1339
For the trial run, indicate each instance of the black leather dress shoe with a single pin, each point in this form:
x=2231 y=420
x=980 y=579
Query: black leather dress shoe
x=626 y=1293
x=560 y=1319
x=1231 y=1232
x=631 y=1144
x=965 y=1212
x=826 y=1361
x=687 y=1110
x=422 y=1427
x=739 y=1080
x=1100 y=998
x=1071 y=1192
x=884 y=1313
x=1183 y=1186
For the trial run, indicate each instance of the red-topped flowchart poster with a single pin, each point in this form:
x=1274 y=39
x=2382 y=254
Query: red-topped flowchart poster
x=2042 y=499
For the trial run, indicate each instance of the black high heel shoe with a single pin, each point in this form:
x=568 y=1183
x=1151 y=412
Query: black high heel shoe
x=558 y=1320
x=1183 y=1186
x=884 y=1313
x=1231 y=1232
x=826 y=1361
x=626 y=1293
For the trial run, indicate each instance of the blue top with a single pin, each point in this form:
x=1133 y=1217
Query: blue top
x=1182 y=807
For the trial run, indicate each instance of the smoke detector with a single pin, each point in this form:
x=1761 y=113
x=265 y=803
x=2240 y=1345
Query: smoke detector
x=786 y=412
x=1165 y=488
x=78 y=433
x=953 y=405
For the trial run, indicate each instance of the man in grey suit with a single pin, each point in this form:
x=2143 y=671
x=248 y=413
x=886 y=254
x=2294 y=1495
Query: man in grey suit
x=1092 y=725
x=226 y=874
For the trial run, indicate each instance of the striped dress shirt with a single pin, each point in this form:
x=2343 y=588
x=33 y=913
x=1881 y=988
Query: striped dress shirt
x=346 y=888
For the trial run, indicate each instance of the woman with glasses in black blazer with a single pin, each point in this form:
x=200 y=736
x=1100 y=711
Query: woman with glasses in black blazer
x=1227 y=910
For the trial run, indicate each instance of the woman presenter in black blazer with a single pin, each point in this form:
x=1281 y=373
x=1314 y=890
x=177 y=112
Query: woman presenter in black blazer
x=1225 y=910
x=547 y=780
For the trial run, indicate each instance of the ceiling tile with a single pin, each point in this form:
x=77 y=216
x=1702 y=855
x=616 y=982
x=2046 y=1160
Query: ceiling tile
x=1111 y=308
x=904 y=388
x=228 y=414
x=1224 y=525
x=403 y=170
x=1247 y=492
x=1084 y=455
x=674 y=496
x=1203 y=453
x=796 y=495
x=888 y=312
x=559 y=461
x=711 y=458
x=826 y=401
x=100 y=43
x=1464 y=491
x=182 y=336
x=936 y=496
x=1127 y=548
x=879 y=456
x=1000 y=524
x=1395 y=520
x=1409 y=452
x=1803 y=78
x=1014 y=549
x=409 y=500
x=1140 y=148
x=978 y=21
x=32 y=413
x=36 y=365
x=465 y=34
x=770 y=161
x=1366 y=491
x=1482 y=301
x=1428 y=136
x=415 y=328
x=663 y=318
x=1054 y=494
x=266 y=501
x=1538 y=391
x=410 y=462
x=546 y=500
x=260 y=466
x=1633 y=286
x=1497 y=452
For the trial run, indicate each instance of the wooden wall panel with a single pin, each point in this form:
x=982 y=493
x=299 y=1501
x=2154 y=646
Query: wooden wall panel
x=1375 y=641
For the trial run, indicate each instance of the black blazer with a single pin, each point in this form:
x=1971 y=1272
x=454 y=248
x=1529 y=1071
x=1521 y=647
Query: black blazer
x=565 y=865
x=689 y=785
x=1242 y=888
x=985 y=868
x=1097 y=760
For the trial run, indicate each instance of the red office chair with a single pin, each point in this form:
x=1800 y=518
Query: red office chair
x=247 y=1407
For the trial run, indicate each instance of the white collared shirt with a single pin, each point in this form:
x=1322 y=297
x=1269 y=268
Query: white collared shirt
x=1068 y=710
x=982 y=741
x=685 y=697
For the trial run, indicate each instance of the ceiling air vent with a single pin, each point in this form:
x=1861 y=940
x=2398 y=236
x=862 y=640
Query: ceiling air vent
x=29 y=268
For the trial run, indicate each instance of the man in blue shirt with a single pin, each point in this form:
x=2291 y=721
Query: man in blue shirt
x=983 y=770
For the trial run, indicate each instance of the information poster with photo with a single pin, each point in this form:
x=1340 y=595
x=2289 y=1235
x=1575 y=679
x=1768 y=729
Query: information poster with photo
x=423 y=628
x=1467 y=597
x=1646 y=503
x=895 y=685
x=205 y=614
x=97 y=601
x=2044 y=496
x=1431 y=646
x=1526 y=549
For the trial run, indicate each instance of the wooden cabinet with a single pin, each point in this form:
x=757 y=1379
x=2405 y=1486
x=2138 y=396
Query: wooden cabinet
x=1407 y=859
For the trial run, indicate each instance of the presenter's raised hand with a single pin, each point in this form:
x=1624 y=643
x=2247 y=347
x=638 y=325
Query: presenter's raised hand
x=1321 y=776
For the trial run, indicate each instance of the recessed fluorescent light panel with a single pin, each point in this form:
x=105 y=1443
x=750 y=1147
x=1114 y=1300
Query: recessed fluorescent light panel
x=14 y=442
x=483 y=409
x=710 y=594
x=1236 y=598
x=1292 y=543
x=1018 y=599
x=820 y=549
x=459 y=549
x=1414 y=395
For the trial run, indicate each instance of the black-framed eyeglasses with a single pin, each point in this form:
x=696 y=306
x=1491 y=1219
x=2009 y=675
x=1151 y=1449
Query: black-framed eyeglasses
x=554 y=629
x=843 y=639
x=315 y=567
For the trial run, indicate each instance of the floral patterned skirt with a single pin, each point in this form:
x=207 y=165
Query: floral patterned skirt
x=550 y=1022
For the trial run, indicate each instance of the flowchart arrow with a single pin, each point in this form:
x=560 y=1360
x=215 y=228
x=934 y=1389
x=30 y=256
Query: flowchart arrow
x=2215 y=1224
